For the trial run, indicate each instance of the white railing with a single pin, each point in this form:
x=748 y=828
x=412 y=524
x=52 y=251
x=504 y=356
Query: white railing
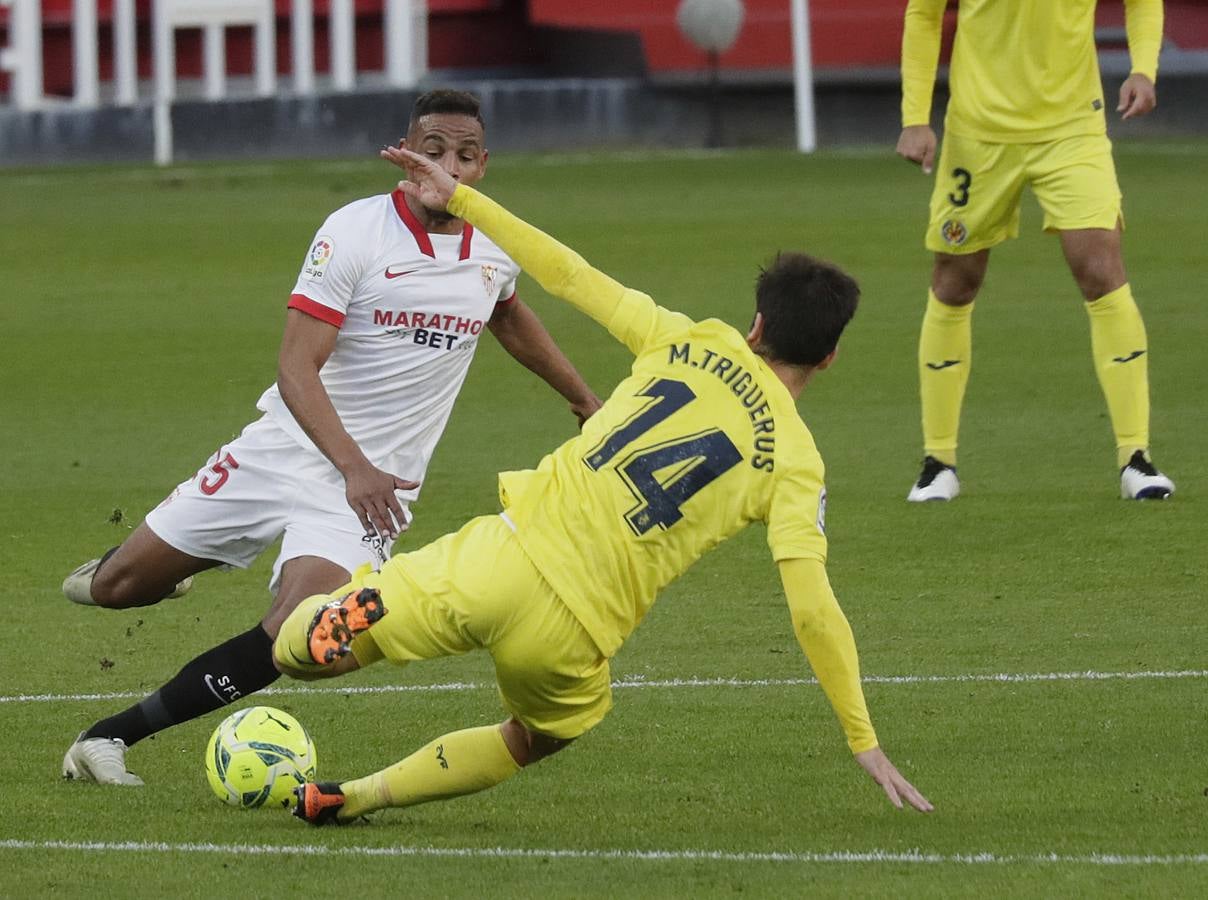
x=405 y=29
x=22 y=58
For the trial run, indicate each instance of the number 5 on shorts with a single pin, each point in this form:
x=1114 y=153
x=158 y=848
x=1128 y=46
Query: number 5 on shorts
x=222 y=469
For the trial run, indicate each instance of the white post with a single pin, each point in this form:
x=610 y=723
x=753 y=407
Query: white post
x=419 y=39
x=302 y=44
x=85 y=88
x=803 y=78
x=213 y=43
x=163 y=49
x=163 y=44
x=266 y=50
x=162 y=121
x=23 y=56
x=406 y=36
x=343 y=46
x=125 y=54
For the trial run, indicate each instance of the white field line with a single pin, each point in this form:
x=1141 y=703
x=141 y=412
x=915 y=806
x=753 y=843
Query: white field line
x=726 y=856
x=636 y=681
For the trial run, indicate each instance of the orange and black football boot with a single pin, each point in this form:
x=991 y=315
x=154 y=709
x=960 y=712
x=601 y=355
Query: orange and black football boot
x=336 y=624
x=319 y=803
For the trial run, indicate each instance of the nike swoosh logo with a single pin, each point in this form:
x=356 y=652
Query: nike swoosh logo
x=1129 y=358
x=942 y=365
x=209 y=679
x=392 y=274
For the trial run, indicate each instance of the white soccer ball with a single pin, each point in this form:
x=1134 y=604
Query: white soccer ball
x=257 y=756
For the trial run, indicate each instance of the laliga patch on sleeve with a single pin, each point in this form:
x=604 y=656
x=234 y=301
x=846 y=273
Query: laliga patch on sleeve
x=822 y=511
x=321 y=252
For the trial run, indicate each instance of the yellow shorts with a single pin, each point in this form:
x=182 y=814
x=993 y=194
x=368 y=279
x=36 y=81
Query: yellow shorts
x=978 y=187
x=476 y=589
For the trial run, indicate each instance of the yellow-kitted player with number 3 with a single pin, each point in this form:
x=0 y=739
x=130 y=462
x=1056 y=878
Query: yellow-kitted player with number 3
x=1026 y=109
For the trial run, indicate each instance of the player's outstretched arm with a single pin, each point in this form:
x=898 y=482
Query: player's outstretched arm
x=631 y=317
x=556 y=267
x=825 y=636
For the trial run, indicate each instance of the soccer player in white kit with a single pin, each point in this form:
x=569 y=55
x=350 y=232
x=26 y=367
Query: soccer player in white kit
x=382 y=325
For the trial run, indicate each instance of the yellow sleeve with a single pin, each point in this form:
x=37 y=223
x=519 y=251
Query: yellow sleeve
x=1143 y=20
x=921 y=35
x=630 y=316
x=824 y=635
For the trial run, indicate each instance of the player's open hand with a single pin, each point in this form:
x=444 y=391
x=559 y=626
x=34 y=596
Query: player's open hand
x=1138 y=96
x=371 y=495
x=426 y=181
x=896 y=788
x=917 y=145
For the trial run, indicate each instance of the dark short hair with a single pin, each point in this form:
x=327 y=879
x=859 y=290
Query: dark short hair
x=806 y=304
x=458 y=103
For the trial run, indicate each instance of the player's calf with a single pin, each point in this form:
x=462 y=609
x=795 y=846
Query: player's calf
x=120 y=591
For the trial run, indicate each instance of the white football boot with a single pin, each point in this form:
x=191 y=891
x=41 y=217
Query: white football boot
x=99 y=760
x=937 y=481
x=1139 y=480
x=77 y=586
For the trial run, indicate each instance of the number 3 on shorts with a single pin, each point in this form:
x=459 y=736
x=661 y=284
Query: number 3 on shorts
x=964 y=180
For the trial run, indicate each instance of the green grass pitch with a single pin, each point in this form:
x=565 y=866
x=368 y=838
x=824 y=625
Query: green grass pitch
x=141 y=312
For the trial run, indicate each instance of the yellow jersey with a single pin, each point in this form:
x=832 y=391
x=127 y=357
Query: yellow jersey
x=700 y=440
x=1022 y=71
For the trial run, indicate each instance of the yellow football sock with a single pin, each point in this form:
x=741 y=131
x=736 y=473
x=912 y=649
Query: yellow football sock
x=1121 y=354
x=459 y=763
x=945 y=355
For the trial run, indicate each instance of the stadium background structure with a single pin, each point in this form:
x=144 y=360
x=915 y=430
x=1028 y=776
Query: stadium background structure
x=584 y=76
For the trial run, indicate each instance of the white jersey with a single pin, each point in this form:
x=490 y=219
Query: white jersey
x=410 y=307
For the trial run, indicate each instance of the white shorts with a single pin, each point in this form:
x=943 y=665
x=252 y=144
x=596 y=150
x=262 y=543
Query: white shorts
x=260 y=487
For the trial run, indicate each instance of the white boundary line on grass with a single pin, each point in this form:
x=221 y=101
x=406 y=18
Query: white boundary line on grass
x=637 y=681
x=836 y=856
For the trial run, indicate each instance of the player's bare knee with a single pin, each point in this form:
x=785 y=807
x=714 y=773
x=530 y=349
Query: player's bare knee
x=955 y=280
x=528 y=747
x=1098 y=277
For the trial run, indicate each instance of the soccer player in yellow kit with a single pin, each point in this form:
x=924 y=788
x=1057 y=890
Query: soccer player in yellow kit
x=1026 y=107
x=699 y=441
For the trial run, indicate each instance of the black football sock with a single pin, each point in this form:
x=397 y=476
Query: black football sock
x=221 y=675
